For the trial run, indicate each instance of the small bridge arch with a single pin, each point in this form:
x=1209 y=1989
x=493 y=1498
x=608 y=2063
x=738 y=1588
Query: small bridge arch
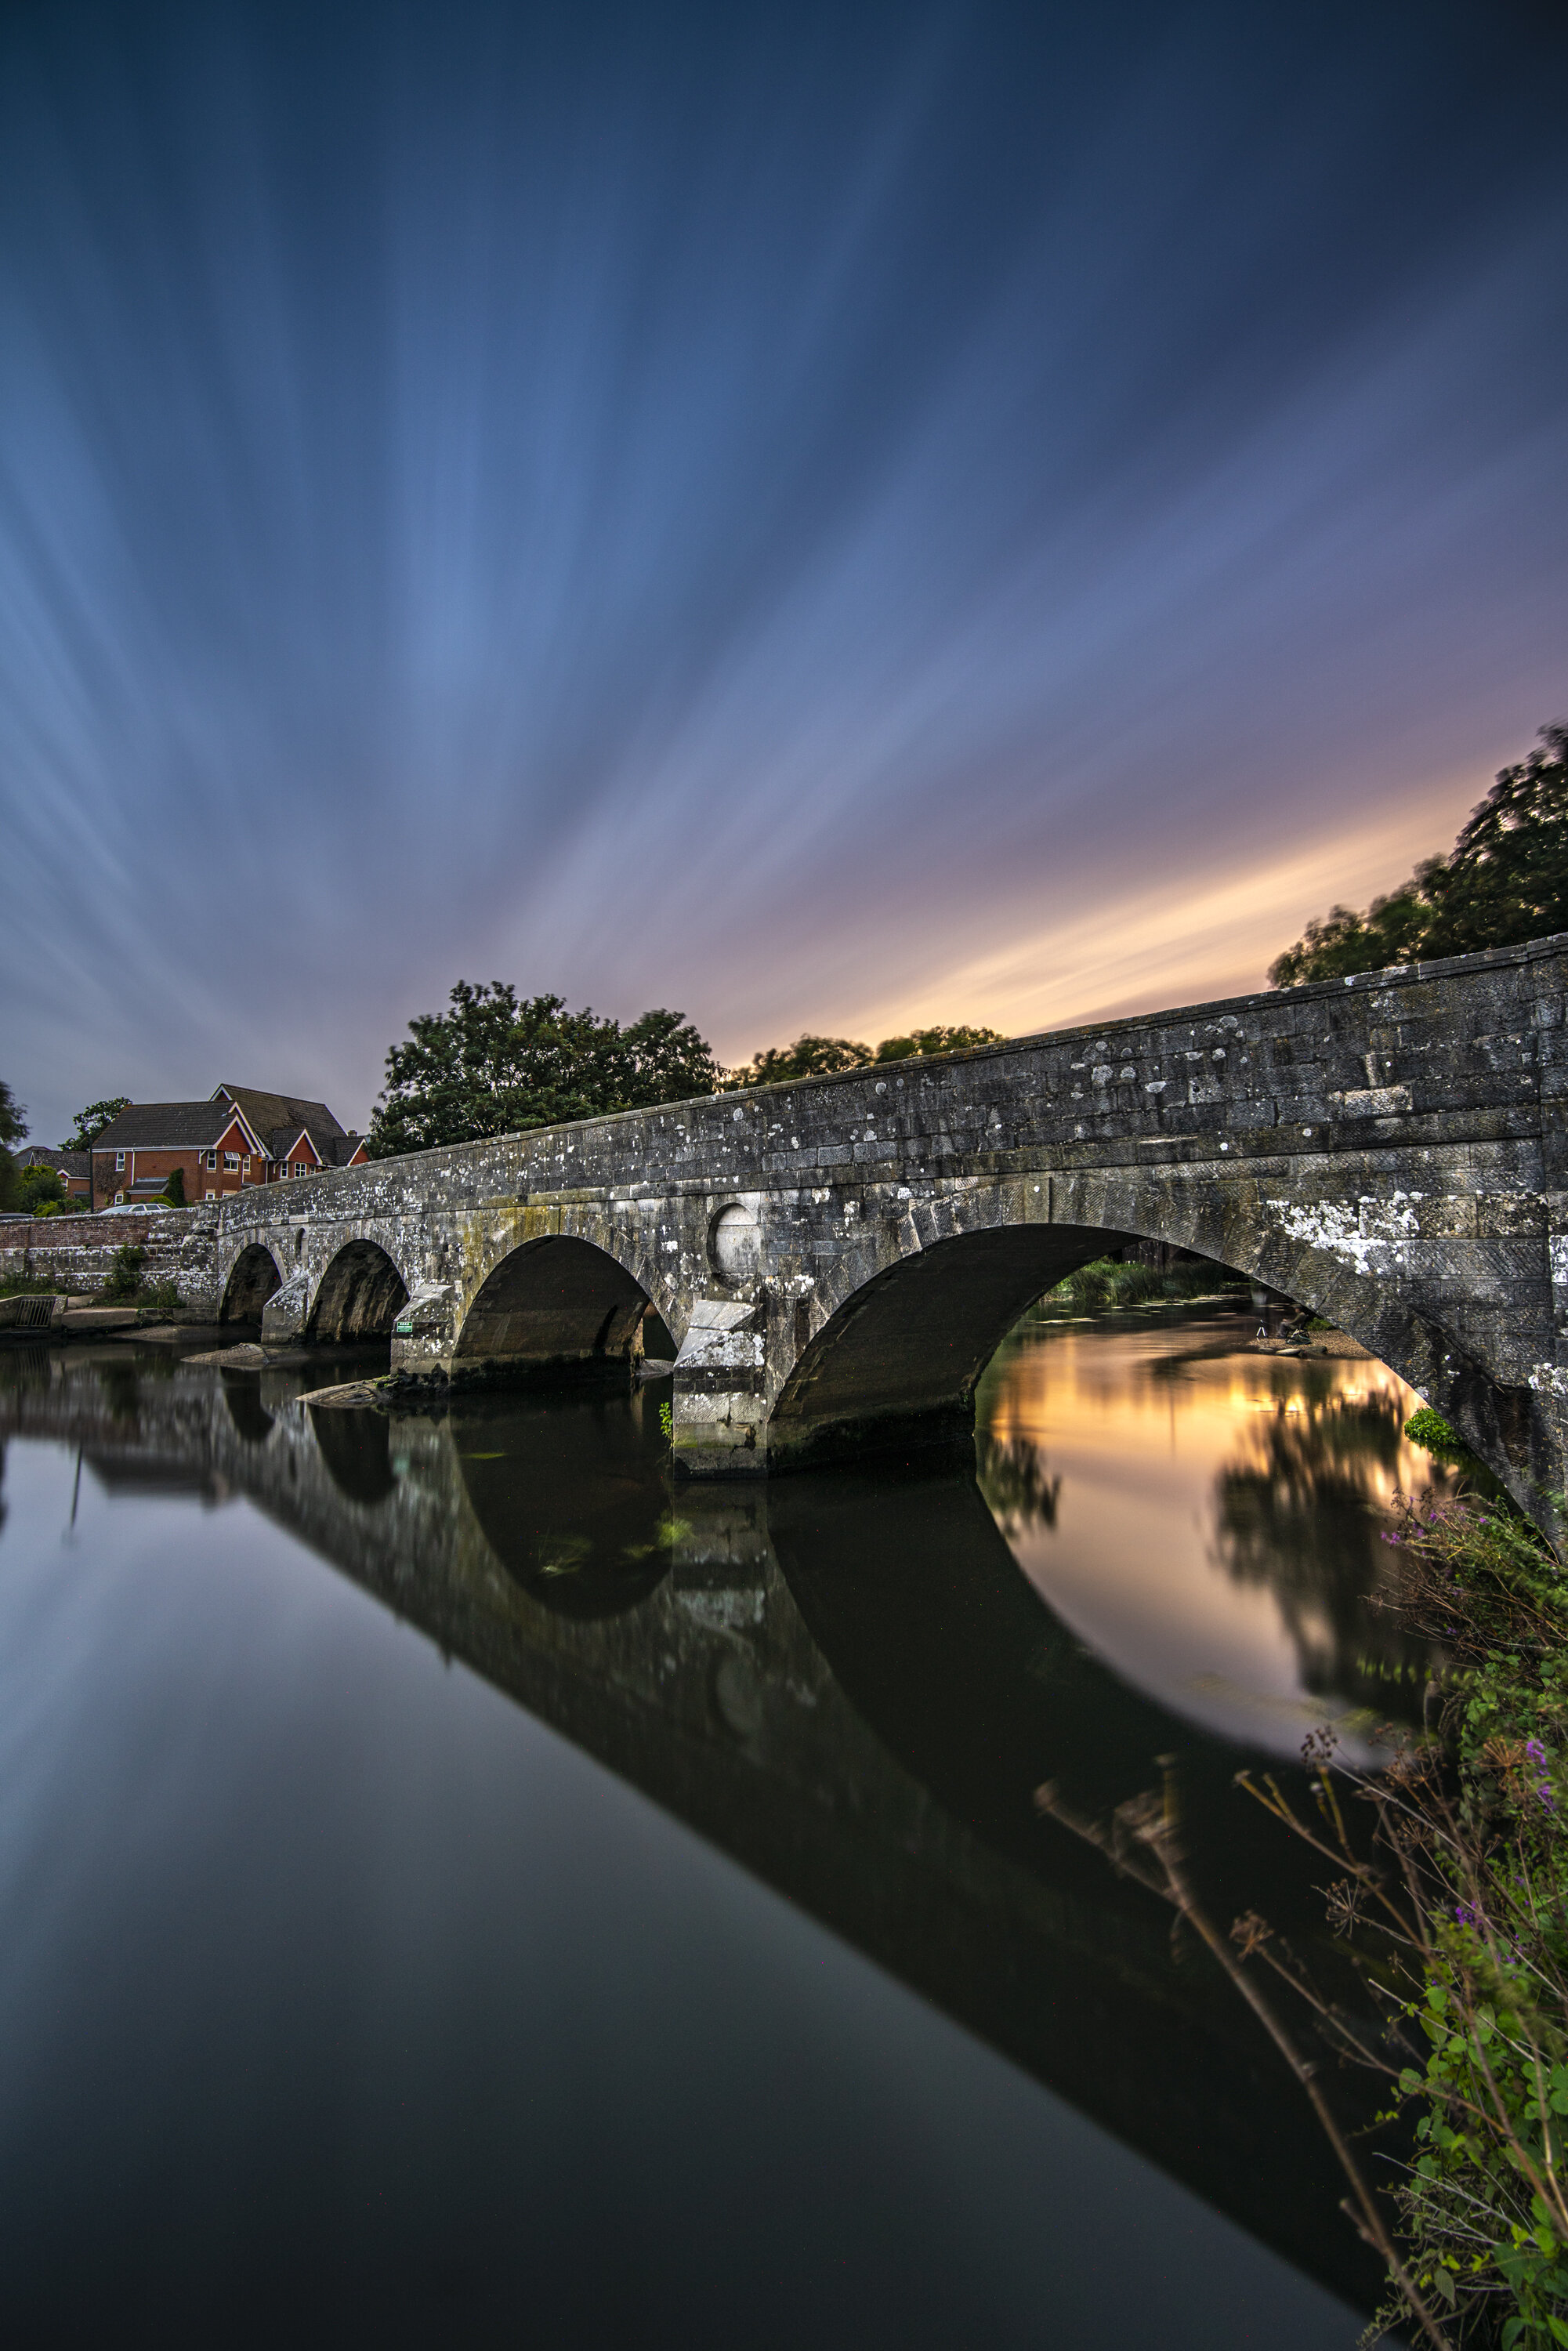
x=358 y=1296
x=558 y=1301
x=253 y=1277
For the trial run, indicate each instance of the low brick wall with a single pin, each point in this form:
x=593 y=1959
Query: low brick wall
x=77 y=1252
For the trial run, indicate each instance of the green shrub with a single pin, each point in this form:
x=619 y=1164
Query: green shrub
x=1433 y=1434
x=164 y=1295
x=174 y=1189
x=125 y=1274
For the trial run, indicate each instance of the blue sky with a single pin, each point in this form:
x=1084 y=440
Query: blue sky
x=818 y=516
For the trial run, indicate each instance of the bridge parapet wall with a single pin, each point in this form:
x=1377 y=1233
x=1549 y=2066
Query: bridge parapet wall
x=79 y=1253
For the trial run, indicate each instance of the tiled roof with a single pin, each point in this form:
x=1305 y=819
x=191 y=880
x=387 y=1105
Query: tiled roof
x=268 y=1111
x=167 y=1126
x=282 y=1139
x=64 y=1163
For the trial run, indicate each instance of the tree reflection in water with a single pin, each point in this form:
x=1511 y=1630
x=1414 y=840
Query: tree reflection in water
x=1301 y=1509
x=1205 y=1518
x=1019 y=1489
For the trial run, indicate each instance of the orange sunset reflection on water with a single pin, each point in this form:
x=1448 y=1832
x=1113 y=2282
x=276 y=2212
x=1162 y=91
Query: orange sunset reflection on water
x=1208 y=1520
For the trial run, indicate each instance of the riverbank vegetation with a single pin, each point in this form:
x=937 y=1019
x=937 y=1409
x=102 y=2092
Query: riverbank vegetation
x=1505 y=879
x=1446 y=1892
x=1109 y=1281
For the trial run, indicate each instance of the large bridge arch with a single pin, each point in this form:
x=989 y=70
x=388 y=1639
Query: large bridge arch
x=892 y=1359
x=559 y=1302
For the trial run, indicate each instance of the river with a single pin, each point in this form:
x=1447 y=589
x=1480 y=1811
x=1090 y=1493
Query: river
x=456 y=1888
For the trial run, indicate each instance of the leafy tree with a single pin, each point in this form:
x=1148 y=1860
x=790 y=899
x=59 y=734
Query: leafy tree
x=808 y=1057
x=819 y=1057
x=91 y=1122
x=174 y=1189
x=1505 y=878
x=936 y=1040
x=493 y=1064
x=13 y=1129
x=41 y=1192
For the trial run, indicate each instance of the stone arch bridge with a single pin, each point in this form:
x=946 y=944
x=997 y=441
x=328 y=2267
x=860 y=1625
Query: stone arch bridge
x=836 y=1260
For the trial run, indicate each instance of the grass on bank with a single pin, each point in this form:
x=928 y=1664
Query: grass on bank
x=1107 y=1283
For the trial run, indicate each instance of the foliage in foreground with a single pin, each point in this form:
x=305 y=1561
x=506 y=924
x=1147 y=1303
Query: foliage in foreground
x=1459 y=1917
x=1505 y=878
x=1476 y=1929
x=1455 y=1912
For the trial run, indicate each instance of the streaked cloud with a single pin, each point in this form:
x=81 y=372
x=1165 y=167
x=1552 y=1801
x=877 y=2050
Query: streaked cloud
x=821 y=518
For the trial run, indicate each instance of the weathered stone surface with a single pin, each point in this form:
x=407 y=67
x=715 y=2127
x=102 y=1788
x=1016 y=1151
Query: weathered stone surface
x=836 y=1260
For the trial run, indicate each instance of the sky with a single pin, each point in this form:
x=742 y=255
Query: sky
x=827 y=517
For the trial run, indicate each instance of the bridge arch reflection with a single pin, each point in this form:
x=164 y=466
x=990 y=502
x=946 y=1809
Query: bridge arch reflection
x=572 y=1499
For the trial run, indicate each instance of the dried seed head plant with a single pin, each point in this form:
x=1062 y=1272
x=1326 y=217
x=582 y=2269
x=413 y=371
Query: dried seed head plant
x=1450 y=1895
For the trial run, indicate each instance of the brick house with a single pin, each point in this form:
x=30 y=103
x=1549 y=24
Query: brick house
x=301 y=1137
x=239 y=1138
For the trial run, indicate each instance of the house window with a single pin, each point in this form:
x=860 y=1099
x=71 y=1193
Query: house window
x=245 y=1163
x=118 y=1198
x=212 y=1163
x=212 y=1195
x=300 y=1168
x=119 y=1163
x=231 y=1163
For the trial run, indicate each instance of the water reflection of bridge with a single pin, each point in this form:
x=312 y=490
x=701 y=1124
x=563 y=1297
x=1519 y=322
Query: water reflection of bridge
x=843 y=1683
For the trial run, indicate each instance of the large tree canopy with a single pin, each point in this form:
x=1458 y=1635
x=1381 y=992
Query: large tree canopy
x=495 y=1065
x=1505 y=878
x=13 y=1129
x=819 y=1057
x=91 y=1122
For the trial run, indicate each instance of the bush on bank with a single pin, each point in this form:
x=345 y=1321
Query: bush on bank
x=1475 y=1829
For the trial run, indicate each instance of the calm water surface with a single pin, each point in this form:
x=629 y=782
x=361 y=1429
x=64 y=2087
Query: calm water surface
x=454 y=1889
